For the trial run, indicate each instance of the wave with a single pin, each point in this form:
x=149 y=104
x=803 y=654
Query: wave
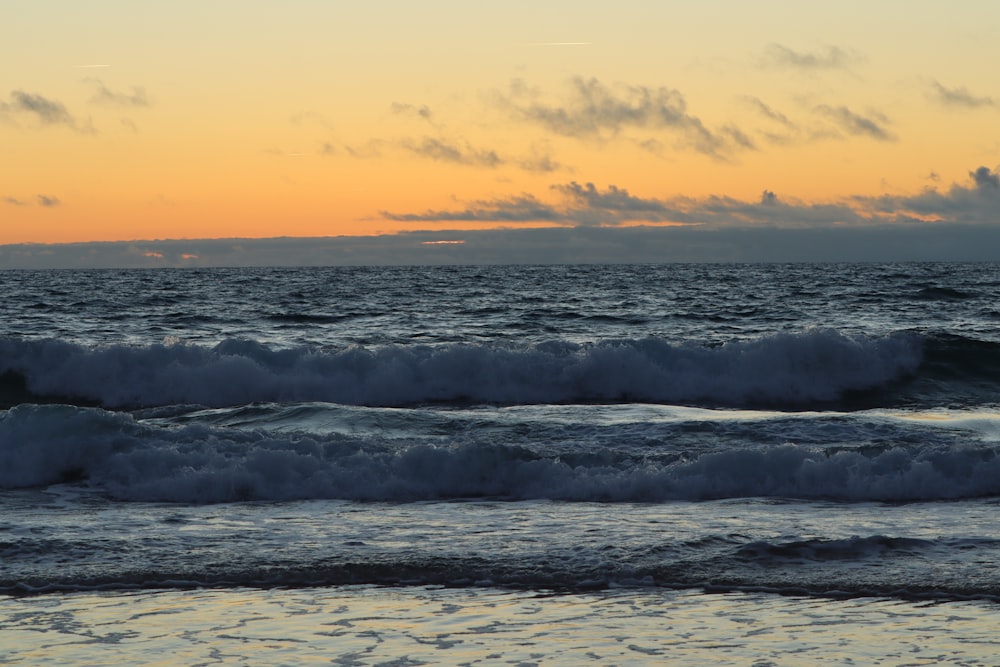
x=128 y=459
x=793 y=370
x=855 y=549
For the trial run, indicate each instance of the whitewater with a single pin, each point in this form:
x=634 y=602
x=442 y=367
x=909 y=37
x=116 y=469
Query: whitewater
x=482 y=438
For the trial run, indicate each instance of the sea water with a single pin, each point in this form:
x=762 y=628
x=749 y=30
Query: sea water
x=601 y=443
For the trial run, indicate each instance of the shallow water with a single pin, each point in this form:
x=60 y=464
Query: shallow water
x=483 y=626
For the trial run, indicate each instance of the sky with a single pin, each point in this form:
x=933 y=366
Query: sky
x=229 y=132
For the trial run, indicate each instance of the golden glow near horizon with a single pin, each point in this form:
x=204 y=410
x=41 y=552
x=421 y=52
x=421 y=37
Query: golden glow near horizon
x=156 y=120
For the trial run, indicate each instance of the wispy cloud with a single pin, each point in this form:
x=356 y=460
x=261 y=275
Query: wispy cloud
x=456 y=151
x=770 y=113
x=441 y=150
x=959 y=97
x=832 y=57
x=872 y=126
x=136 y=97
x=400 y=108
x=47 y=201
x=593 y=110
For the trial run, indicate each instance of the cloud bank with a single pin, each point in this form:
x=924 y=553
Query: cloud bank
x=588 y=205
x=554 y=245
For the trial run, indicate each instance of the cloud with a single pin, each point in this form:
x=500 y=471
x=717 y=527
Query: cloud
x=959 y=97
x=554 y=245
x=422 y=111
x=47 y=201
x=833 y=57
x=770 y=113
x=856 y=124
x=521 y=208
x=451 y=151
x=539 y=162
x=974 y=203
x=580 y=205
x=985 y=179
x=444 y=151
x=593 y=110
x=586 y=205
x=44 y=110
x=103 y=95
x=48 y=111
x=311 y=118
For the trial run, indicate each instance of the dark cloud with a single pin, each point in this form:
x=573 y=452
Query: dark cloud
x=613 y=204
x=44 y=110
x=959 y=97
x=985 y=179
x=582 y=205
x=523 y=208
x=13 y=201
x=833 y=57
x=856 y=124
x=558 y=245
x=594 y=110
x=103 y=95
x=975 y=203
x=586 y=205
x=444 y=151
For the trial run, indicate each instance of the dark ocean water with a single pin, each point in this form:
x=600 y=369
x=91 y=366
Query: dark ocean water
x=816 y=429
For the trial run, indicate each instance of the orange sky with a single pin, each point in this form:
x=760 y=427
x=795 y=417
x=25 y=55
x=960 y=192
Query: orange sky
x=158 y=120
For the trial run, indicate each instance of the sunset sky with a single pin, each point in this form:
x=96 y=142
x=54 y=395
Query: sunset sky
x=134 y=121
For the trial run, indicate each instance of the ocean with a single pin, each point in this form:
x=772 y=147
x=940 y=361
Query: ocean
x=686 y=463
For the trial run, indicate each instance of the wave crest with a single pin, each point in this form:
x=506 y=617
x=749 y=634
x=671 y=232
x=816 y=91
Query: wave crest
x=784 y=370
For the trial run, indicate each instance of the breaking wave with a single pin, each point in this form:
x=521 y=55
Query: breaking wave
x=793 y=370
x=131 y=460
